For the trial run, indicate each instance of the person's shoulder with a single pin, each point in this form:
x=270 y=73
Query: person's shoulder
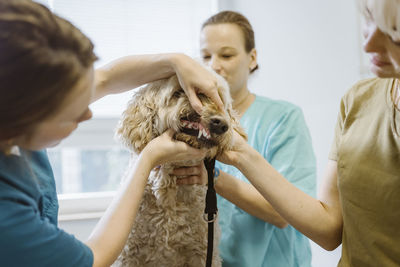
x=367 y=88
x=277 y=105
x=16 y=180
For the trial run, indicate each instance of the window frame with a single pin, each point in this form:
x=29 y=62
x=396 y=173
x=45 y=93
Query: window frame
x=79 y=206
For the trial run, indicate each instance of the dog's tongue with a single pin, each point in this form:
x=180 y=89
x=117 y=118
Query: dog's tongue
x=191 y=124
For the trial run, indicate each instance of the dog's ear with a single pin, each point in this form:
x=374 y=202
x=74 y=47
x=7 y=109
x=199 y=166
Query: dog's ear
x=135 y=129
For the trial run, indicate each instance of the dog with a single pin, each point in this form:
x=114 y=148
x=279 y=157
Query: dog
x=169 y=229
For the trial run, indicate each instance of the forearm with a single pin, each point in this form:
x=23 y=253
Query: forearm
x=132 y=71
x=246 y=197
x=110 y=234
x=319 y=221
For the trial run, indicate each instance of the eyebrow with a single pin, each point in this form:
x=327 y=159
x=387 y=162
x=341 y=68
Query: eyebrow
x=221 y=49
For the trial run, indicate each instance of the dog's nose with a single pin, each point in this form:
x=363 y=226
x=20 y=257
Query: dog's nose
x=218 y=126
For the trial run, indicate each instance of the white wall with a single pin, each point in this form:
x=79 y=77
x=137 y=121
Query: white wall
x=309 y=54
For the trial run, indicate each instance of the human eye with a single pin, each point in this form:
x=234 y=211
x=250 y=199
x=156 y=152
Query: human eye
x=206 y=57
x=226 y=56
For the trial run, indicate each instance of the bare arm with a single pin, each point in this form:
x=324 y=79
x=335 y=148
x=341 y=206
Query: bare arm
x=320 y=220
x=240 y=193
x=246 y=197
x=132 y=71
x=110 y=234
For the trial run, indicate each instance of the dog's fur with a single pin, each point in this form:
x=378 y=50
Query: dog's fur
x=169 y=229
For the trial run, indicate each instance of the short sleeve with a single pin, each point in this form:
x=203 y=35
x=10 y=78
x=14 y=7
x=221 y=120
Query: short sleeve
x=333 y=154
x=27 y=239
x=289 y=151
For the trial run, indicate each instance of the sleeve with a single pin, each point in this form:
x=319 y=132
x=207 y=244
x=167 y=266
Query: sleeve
x=333 y=154
x=289 y=150
x=28 y=240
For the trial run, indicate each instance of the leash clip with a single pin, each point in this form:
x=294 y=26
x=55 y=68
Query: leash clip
x=213 y=219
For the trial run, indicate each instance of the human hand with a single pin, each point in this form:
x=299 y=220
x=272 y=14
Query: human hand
x=239 y=147
x=196 y=174
x=195 y=78
x=164 y=149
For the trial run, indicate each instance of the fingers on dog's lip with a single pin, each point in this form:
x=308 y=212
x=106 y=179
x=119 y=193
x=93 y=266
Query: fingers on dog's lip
x=218 y=102
x=170 y=132
x=197 y=106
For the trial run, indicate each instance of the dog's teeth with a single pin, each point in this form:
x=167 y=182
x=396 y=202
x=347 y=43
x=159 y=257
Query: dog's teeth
x=204 y=133
x=200 y=133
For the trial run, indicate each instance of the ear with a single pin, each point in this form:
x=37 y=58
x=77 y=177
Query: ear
x=253 y=59
x=135 y=129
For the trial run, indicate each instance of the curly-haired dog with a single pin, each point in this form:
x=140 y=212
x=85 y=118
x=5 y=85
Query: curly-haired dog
x=169 y=229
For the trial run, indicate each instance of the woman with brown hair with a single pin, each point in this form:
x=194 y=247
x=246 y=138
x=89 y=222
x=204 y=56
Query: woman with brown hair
x=47 y=81
x=252 y=232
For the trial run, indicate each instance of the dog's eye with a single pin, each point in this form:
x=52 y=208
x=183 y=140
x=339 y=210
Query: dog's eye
x=177 y=94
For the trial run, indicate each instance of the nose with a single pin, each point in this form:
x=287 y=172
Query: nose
x=218 y=125
x=374 y=39
x=215 y=64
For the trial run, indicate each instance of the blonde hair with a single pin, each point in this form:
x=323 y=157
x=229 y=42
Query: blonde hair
x=385 y=13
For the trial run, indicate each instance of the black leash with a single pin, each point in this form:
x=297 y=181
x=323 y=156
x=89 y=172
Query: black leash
x=211 y=210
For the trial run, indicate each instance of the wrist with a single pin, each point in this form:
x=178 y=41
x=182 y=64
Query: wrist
x=175 y=60
x=149 y=157
x=245 y=158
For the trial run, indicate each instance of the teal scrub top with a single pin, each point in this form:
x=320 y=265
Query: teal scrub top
x=277 y=130
x=28 y=216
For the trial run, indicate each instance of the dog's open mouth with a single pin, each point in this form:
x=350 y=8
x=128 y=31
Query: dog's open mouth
x=200 y=135
x=195 y=128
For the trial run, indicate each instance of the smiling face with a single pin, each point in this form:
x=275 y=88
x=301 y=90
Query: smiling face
x=223 y=49
x=65 y=120
x=382 y=46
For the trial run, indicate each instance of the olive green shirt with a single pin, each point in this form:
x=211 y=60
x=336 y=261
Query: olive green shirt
x=367 y=151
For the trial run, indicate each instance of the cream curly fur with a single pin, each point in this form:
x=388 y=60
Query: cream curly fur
x=169 y=229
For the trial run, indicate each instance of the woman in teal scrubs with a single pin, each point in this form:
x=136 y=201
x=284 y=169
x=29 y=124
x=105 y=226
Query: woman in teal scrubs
x=252 y=232
x=47 y=81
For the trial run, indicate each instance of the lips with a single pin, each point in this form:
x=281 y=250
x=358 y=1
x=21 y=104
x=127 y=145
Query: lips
x=378 y=62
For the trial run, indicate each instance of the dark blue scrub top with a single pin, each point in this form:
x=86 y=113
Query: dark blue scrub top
x=29 y=235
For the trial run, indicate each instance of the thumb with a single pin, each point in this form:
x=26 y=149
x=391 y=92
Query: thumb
x=216 y=99
x=169 y=132
x=195 y=101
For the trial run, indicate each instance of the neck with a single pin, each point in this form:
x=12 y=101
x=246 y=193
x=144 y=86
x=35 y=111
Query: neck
x=242 y=101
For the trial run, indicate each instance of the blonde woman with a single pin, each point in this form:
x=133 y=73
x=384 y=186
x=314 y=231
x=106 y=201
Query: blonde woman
x=359 y=203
